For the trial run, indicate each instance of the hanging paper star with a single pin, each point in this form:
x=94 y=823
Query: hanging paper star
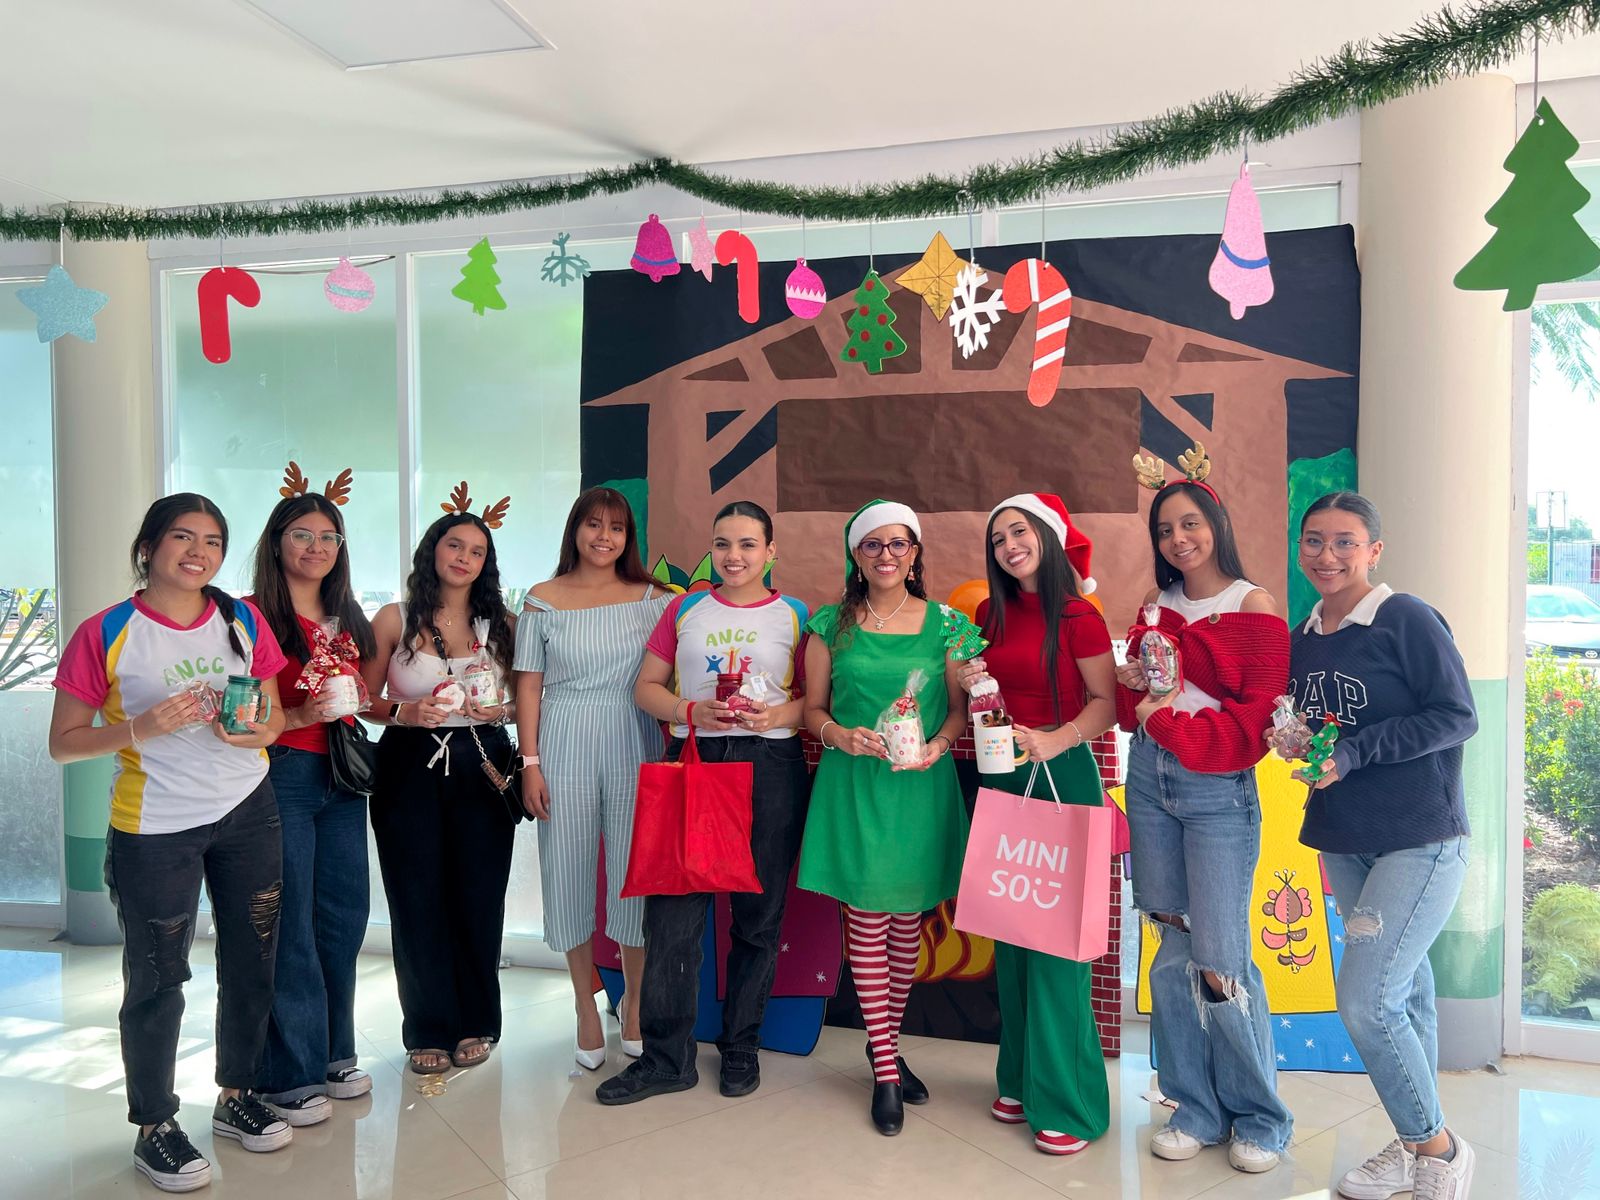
x=62 y=306
x=933 y=276
x=702 y=254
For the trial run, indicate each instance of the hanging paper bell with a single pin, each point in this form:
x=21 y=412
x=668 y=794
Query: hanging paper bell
x=804 y=290
x=348 y=287
x=653 y=254
x=1241 y=272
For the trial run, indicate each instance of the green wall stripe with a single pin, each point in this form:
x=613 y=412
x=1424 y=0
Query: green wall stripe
x=1473 y=961
x=86 y=863
x=86 y=797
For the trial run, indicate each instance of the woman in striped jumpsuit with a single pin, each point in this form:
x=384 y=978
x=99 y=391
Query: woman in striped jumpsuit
x=579 y=645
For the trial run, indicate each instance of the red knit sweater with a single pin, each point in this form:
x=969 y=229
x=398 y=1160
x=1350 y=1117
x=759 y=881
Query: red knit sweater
x=1240 y=658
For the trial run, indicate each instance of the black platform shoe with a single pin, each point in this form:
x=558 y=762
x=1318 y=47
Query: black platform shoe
x=888 y=1108
x=916 y=1092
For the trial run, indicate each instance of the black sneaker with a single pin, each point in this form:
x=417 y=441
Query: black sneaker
x=632 y=1085
x=308 y=1110
x=167 y=1158
x=247 y=1119
x=741 y=1073
x=349 y=1083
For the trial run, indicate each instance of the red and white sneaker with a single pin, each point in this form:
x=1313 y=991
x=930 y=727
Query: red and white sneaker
x=1007 y=1110
x=1051 y=1142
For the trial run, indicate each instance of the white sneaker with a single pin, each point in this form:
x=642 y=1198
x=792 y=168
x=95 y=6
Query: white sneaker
x=1436 y=1179
x=308 y=1110
x=1174 y=1144
x=1386 y=1173
x=1251 y=1158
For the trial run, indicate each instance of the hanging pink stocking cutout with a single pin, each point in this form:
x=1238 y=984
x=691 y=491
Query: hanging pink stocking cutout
x=1033 y=281
x=735 y=247
x=216 y=287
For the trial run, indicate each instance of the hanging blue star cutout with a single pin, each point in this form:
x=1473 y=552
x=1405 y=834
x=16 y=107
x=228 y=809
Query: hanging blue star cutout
x=62 y=306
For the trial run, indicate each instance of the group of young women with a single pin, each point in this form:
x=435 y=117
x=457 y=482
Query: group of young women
x=600 y=657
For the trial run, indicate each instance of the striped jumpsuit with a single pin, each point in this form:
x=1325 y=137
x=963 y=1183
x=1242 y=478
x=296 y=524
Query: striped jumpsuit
x=591 y=741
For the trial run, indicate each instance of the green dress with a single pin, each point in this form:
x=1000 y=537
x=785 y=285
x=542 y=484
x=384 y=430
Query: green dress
x=883 y=840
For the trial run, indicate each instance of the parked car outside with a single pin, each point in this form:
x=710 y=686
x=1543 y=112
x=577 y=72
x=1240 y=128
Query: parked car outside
x=1564 y=621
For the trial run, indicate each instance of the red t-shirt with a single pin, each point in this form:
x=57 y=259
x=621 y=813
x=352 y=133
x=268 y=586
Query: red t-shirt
x=1017 y=660
x=312 y=737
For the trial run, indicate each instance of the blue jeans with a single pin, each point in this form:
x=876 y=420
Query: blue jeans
x=325 y=900
x=1394 y=905
x=1195 y=842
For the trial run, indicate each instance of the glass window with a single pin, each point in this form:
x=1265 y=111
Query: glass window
x=1288 y=208
x=30 y=786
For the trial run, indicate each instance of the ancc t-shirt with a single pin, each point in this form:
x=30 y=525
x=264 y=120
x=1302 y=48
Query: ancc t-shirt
x=128 y=659
x=701 y=635
x=1017 y=660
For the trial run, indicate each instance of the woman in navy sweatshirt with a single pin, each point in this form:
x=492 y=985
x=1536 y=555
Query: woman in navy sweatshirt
x=1389 y=817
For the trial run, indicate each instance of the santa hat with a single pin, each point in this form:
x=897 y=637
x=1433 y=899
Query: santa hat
x=875 y=514
x=1049 y=508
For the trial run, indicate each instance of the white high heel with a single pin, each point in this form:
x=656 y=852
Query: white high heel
x=632 y=1047
x=591 y=1060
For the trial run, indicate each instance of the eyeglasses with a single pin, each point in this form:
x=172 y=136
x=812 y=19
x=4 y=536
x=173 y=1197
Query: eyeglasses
x=873 y=548
x=1311 y=547
x=304 y=538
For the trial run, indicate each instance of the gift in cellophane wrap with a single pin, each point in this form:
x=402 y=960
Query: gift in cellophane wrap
x=1291 y=736
x=480 y=680
x=900 y=726
x=757 y=687
x=332 y=667
x=1158 y=656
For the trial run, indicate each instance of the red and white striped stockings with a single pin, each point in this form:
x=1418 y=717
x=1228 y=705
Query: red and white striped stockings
x=883 y=960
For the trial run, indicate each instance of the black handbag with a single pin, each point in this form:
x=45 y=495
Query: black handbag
x=506 y=781
x=352 y=757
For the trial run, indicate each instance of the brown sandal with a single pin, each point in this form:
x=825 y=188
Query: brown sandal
x=460 y=1055
x=437 y=1067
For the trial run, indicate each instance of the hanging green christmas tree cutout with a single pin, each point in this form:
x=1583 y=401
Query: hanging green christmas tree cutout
x=479 y=284
x=1538 y=238
x=871 y=325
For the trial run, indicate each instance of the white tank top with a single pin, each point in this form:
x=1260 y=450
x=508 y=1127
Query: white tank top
x=415 y=677
x=1229 y=600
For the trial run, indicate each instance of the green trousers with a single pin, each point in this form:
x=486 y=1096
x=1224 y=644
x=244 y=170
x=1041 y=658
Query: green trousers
x=1050 y=1057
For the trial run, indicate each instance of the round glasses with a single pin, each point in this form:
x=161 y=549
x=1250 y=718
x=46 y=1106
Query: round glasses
x=1311 y=547
x=305 y=539
x=873 y=548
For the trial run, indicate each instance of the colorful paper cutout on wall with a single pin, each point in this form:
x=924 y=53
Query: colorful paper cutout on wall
x=217 y=286
x=349 y=288
x=1033 y=281
x=562 y=267
x=1241 y=272
x=62 y=307
x=1538 y=238
x=972 y=315
x=871 y=325
x=702 y=254
x=934 y=275
x=653 y=254
x=734 y=247
x=480 y=284
x=804 y=291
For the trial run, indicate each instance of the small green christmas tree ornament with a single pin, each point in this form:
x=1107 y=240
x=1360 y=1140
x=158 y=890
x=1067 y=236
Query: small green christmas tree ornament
x=871 y=326
x=479 y=284
x=1538 y=239
x=1320 y=752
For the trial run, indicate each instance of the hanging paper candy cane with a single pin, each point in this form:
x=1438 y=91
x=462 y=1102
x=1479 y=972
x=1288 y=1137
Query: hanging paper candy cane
x=1034 y=282
x=216 y=286
x=735 y=247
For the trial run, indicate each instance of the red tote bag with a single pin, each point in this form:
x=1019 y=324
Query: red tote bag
x=691 y=827
x=1036 y=874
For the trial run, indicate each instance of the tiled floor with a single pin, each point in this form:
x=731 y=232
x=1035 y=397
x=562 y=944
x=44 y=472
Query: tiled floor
x=521 y=1128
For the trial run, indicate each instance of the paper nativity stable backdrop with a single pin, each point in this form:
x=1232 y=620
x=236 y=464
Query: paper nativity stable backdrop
x=686 y=407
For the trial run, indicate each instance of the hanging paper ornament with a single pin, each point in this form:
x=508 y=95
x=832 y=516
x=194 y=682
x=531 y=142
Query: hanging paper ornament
x=61 y=306
x=652 y=253
x=1537 y=239
x=805 y=291
x=934 y=275
x=702 y=255
x=971 y=318
x=561 y=267
x=735 y=247
x=480 y=285
x=348 y=287
x=1241 y=272
x=871 y=326
x=217 y=287
x=1034 y=282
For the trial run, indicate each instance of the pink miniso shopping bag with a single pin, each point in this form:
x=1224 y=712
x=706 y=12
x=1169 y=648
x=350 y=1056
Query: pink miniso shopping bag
x=1037 y=874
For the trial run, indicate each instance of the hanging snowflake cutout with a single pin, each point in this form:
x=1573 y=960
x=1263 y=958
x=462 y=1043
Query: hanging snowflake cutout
x=561 y=267
x=972 y=316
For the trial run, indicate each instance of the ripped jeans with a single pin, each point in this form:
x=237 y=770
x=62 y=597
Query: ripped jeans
x=1394 y=905
x=1195 y=842
x=154 y=879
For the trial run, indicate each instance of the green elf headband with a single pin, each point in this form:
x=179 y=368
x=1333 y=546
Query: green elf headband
x=875 y=514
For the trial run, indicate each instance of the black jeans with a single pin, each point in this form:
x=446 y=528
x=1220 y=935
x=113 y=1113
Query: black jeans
x=444 y=845
x=674 y=926
x=154 y=880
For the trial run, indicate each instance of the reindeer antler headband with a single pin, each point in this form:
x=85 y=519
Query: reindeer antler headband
x=1195 y=465
x=336 y=489
x=461 y=502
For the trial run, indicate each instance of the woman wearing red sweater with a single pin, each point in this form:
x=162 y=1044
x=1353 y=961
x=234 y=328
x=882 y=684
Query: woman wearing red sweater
x=1195 y=821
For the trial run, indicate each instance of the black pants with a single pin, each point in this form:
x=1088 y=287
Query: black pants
x=154 y=880
x=444 y=845
x=674 y=926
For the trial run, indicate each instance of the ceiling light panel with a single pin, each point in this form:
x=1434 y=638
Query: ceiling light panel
x=360 y=34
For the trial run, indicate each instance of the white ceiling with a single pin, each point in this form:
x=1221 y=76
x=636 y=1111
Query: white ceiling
x=177 y=102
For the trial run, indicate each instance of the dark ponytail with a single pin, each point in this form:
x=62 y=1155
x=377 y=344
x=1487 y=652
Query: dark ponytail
x=158 y=519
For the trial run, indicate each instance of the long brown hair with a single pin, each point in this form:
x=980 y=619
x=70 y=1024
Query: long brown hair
x=1057 y=587
x=271 y=586
x=603 y=502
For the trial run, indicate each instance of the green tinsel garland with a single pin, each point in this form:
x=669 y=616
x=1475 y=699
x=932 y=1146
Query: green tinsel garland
x=1360 y=75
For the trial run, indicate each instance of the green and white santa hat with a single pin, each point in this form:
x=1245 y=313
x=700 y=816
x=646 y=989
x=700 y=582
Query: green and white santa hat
x=875 y=514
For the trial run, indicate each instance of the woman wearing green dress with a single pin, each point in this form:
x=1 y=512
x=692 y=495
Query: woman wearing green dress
x=887 y=841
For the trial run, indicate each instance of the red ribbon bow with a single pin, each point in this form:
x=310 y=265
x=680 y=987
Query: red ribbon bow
x=328 y=657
